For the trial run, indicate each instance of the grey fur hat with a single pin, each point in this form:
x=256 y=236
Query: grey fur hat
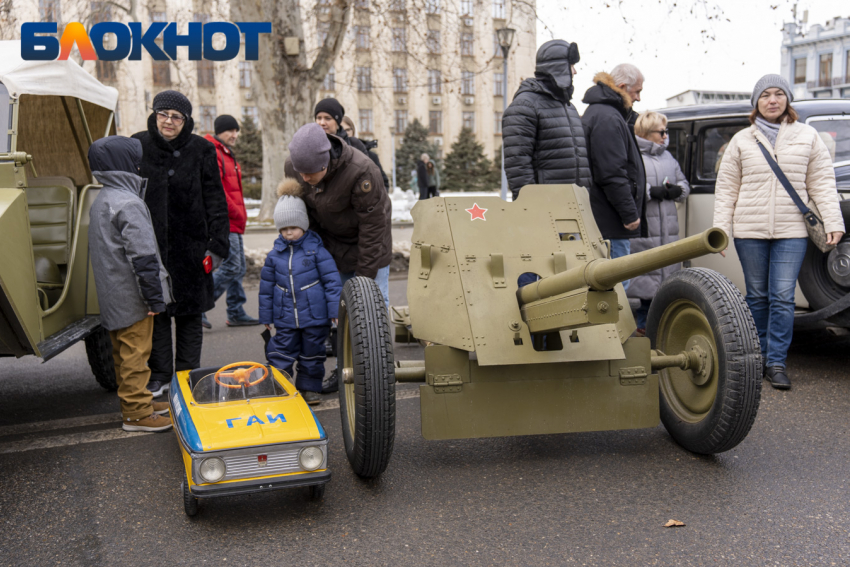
x=290 y=210
x=768 y=82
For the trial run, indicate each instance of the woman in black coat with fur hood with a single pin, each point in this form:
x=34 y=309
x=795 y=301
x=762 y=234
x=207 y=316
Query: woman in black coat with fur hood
x=189 y=212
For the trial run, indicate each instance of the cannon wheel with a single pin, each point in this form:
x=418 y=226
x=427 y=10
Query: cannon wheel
x=714 y=412
x=99 y=353
x=367 y=405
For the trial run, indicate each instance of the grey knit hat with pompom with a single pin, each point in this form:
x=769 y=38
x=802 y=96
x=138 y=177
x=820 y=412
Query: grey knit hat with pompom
x=290 y=210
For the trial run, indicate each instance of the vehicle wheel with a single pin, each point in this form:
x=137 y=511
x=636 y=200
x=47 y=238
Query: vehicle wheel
x=190 y=503
x=711 y=411
x=317 y=492
x=99 y=353
x=366 y=403
x=825 y=278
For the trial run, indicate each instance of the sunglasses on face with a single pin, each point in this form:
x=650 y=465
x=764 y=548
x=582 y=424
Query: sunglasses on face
x=662 y=132
x=176 y=119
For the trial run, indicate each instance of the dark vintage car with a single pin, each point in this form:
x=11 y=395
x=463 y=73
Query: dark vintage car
x=698 y=136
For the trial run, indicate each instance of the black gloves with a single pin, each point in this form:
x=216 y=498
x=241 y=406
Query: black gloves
x=666 y=191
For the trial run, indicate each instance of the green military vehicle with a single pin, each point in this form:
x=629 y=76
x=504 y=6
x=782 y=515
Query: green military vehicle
x=557 y=355
x=50 y=113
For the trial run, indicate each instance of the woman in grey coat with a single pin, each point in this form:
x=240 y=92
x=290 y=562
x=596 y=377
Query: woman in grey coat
x=666 y=184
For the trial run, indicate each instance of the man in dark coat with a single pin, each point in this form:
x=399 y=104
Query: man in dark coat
x=618 y=191
x=346 y=202
x=541 y=130
x=422 y=177
x=329 y=114
x=189 y=212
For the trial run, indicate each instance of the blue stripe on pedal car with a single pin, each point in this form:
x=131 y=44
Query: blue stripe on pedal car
x=182 y=418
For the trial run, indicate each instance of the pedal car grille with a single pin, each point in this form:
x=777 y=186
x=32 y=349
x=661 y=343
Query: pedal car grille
x=262 y=463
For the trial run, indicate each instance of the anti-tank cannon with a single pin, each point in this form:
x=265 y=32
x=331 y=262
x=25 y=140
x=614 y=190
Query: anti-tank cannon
x=557 y=355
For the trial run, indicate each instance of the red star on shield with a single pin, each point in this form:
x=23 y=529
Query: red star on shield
x=476 y=212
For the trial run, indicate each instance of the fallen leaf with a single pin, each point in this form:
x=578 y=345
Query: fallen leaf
x=673 y=524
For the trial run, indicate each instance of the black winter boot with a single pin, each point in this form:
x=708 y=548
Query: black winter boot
x=331 y=383
x=777 y=378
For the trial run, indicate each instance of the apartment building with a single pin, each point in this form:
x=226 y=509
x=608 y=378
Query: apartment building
x=437 y=61
x=816 y=59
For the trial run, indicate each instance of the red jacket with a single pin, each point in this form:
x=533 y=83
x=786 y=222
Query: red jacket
x=231 y=180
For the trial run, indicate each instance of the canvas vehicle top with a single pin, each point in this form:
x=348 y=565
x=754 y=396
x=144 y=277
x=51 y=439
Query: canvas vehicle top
x=50 y=113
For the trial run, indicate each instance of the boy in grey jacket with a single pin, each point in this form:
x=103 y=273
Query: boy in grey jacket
x=132 y=285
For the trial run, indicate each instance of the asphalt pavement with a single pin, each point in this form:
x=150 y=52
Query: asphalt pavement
x=76 y=490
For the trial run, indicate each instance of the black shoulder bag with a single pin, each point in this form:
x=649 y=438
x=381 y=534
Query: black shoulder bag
x=811 y=215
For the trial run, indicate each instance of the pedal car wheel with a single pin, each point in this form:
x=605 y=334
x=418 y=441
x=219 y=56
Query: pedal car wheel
x=712 y=410
x=190 y=503
x=367 y=377
x=317 y=492
x=99 y=353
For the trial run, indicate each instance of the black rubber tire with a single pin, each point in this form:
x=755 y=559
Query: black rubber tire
x=738 y=375
x=99 y=353
x=317 y=492
x=815 y=282
x=368 y=432
x=190 y=503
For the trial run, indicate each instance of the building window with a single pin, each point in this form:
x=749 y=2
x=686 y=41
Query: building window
x=245 y=70
x=363 y=38
x=329 y=84
x=498 y=84
x=469 y=120
x=499 y=9
x=400 y=121
x=202 y=18
x=466 y=43
x=825 y=70
x=799 y=70
x=324 y=7
x=497 y=48
x=159 y=17
x=48 y=10
x=206 y=73
x=397 y=5
x=251 y=113
x=399 y=39
x=161 y=73
x=105 y=70
x=466 y=7
x=467 y=83
x=322 y=30
x=435 y=81
x=433 y=42
x=399 y=80
x=497 y=122
x=435 y=122
x=362 y=4
x=432 y=6
x=206 y=118
x=366 y=123
x=364 y=79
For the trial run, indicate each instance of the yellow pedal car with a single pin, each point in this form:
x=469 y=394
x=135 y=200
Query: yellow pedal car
x=244 y=428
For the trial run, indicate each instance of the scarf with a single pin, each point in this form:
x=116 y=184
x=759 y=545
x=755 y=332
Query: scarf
x=769 y=129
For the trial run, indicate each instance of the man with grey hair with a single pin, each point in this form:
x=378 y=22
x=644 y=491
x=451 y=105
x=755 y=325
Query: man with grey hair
x=618 y=190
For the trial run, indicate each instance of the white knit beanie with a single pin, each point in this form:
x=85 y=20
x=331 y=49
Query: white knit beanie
x=290 y=210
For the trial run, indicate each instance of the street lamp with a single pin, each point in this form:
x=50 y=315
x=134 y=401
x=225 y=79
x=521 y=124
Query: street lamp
x=506 y=38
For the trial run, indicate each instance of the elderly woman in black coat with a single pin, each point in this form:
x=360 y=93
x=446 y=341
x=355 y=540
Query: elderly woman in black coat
x=189 y=213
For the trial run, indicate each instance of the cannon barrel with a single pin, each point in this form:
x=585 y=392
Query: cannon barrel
x=602 y=274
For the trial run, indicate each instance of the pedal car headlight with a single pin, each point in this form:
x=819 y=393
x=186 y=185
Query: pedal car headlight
x=212 y=469
x=310 y=458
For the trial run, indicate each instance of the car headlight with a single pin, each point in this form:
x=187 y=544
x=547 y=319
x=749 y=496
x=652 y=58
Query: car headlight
x=311 y=458
x=212 y=469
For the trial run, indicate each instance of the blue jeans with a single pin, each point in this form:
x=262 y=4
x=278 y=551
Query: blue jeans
x=771 y=268
x=228 y=277
x=382 y=279
x=621 y=247
x=642 y=312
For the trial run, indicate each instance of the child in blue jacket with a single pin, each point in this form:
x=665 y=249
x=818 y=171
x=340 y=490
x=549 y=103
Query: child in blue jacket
x=299 y=294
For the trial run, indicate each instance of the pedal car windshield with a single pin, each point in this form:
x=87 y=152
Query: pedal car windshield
x=241 y=381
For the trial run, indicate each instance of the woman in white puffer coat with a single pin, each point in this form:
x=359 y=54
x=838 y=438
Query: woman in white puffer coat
x=752 y=205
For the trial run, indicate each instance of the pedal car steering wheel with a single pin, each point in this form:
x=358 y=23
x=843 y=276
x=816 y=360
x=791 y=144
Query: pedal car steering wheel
x=241 y=375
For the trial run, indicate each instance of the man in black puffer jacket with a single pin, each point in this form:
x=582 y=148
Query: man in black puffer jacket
x=542 y=132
